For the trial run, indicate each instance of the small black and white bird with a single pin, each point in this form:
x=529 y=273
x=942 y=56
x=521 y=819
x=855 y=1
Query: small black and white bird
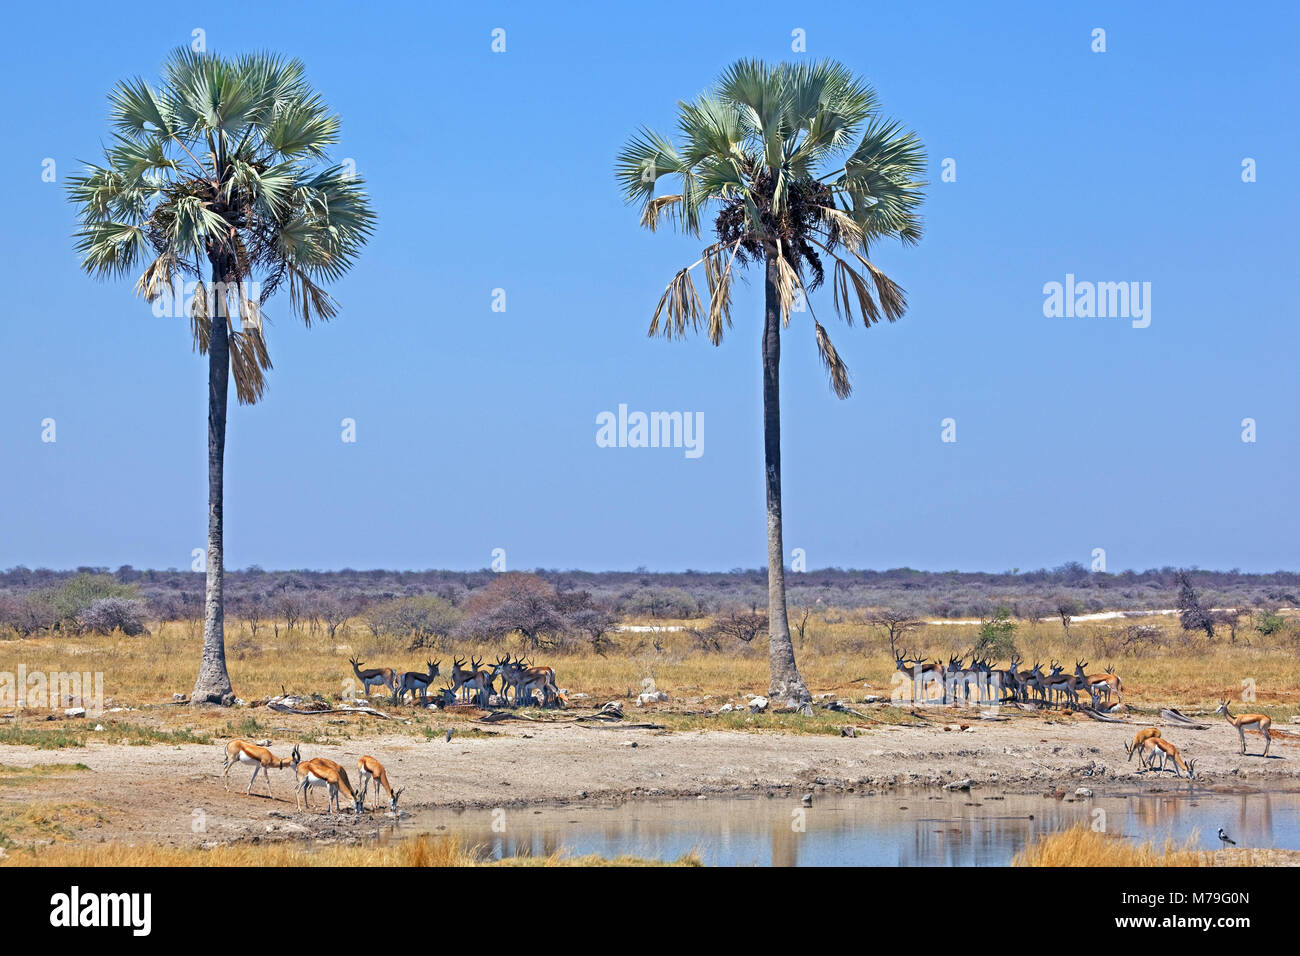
x=1225 y=839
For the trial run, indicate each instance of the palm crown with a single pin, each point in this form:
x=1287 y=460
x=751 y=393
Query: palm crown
x=771 y=149
x=224 y=162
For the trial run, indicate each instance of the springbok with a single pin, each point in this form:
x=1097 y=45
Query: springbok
x=509 y=674
x=921 y=672
x=383 y=676
x=321 y=772
x=1105 y=684
x=372 y=769
x=463 y=680
x=415 y=683
x=1142 y=737
x=1242 y=721
x=1159 y=747
x=259 y=758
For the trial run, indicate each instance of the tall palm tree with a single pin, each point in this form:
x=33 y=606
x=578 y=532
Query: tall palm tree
x=222 y=172
x=795 y=163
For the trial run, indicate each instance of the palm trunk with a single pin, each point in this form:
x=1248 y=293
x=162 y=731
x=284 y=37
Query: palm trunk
x=213 y=683
x=785 y=680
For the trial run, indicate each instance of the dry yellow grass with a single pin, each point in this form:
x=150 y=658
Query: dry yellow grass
x=1082 y=846
x=838 y=655
x=417 y=851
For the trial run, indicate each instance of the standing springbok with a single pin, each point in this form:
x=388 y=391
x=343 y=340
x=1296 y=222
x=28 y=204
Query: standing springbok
x=372 y=769
x=259 y=758
x=1242 y=721
x=1105 y=684
x=474 y=678
x=414 y=682
x=383 y=676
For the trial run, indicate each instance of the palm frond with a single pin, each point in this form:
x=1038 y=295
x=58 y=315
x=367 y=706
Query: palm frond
x=839 y=373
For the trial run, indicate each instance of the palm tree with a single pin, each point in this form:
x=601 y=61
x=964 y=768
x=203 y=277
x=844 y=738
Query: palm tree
x=772 y=150
x=222 y=171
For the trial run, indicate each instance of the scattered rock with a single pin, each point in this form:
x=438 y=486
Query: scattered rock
x=872 y=699
x=726 y=709
x=628 y=743
x=807 y=800
x=959 y=784
x=757 y=704
x=99 y=726
x=75 y=712
x=1083 y=792
x=264 y=742
x=179 y=697
x=613 y=707
x=651 y=697
x=848 y=732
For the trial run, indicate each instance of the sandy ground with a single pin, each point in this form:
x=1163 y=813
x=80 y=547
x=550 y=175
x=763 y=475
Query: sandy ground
x=160 y=794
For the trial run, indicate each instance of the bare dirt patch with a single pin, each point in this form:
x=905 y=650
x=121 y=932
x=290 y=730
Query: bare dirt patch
x=173 y=794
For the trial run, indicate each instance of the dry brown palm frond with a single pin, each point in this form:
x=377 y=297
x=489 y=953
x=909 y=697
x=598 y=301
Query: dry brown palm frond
x=157 y=276
x=199 y=318
x=893 y=300
x=834 y=365
x=719 y=278
x=249 y=362
x=843 y=277
x=787 y=282
x=682 y=303
x=841 y=228
x=657 y=207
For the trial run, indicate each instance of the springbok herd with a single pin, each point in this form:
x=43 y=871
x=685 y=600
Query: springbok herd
x=979 y=679
x=530 y=684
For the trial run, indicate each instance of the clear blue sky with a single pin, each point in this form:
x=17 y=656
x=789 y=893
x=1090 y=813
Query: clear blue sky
x=476 y=429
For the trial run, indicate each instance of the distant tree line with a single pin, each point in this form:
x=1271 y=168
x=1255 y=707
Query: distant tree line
x=432 y=608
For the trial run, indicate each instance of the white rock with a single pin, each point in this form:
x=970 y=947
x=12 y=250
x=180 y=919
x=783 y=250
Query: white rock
x=99 y=726
x=758 y=704
x=1083 y=792
x=75 y=712
x=726 y=709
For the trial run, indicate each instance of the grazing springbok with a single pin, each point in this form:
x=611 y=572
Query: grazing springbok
x=1158 y=747
x=320 y=772
x=414 y=682
x=372 y=769
x=383 y=676
x=259 y=758
x=1142 y=737
x=1242 y=721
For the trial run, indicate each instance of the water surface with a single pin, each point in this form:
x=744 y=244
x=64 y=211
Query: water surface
x=884 y=829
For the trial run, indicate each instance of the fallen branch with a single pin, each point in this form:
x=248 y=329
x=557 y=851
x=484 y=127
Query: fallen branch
x=1170 y=714
x=286 y=709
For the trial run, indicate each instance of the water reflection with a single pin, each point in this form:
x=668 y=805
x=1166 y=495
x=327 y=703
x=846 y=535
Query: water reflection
x=895 y=829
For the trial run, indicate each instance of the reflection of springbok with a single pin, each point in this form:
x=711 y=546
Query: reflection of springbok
x=382 y=676
x=1242 y=721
